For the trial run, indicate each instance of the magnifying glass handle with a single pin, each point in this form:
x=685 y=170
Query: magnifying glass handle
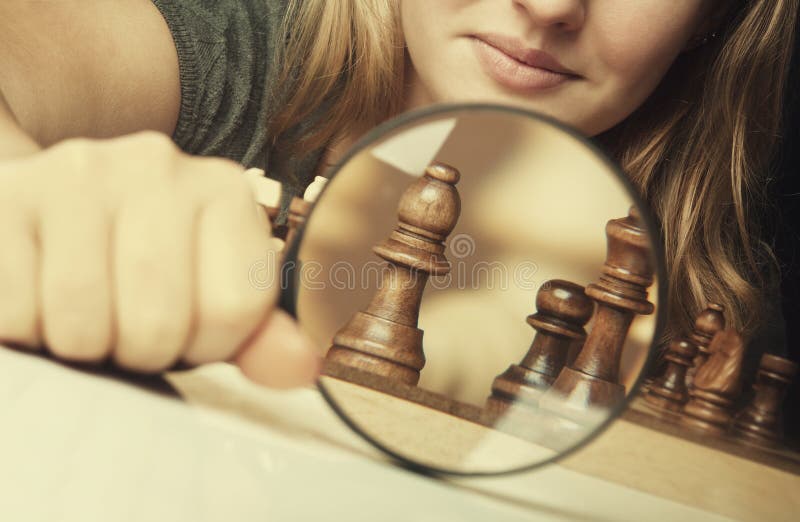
x=267 y=193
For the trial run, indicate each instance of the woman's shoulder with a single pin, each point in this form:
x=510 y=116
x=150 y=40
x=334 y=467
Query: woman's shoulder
x=224 y=51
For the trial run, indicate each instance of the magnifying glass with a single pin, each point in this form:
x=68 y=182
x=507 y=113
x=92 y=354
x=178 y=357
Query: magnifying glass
x=485 y=286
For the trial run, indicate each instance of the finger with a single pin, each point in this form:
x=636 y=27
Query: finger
x=75 y=276
x=153 y=283
x=19 y=264
x=236 y=280
x=279 y=355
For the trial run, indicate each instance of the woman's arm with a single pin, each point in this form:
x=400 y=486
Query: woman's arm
x=125 y=249
x=93 y=68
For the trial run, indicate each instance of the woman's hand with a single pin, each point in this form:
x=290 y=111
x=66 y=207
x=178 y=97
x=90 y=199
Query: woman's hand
x=131 y=250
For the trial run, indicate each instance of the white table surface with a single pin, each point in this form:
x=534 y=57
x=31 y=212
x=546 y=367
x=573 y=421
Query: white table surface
x=84 y=448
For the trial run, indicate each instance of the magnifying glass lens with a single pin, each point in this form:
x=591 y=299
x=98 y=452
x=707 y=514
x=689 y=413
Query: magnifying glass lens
x=482 y=283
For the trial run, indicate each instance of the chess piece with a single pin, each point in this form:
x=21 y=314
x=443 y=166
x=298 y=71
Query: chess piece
x=620 y=293
x=562 y=311
x=384 y=339
x=760 y=421
x=716 y=385
x=706 y=325
x=669 y=391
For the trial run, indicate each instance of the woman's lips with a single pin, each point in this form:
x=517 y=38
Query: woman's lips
x=513 y=73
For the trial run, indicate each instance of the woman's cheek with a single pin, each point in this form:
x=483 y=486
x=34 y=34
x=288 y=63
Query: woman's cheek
x=635 y=48
x=632 y=67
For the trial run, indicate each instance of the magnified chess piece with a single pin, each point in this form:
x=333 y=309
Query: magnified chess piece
x=563 y=309
x=384 y=338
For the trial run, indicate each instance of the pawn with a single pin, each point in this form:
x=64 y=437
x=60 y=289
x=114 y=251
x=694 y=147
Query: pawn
x=592 y=381
x=716 y=385
x=384 y=338
x=562 y=311
x=760 y=422
x=706 y=325
x=669 y=392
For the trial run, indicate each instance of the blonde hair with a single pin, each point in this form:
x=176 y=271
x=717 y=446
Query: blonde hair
x=700 y=151
x=346 y=56
x=699 y=148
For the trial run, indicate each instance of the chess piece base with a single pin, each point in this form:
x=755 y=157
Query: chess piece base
x=372 y=364
x=659 y=402
x=702 y=425
x=376 y=345
x=707 y=412
x=519 y=386
x=580 y=397
x=583 y=389
x=758 y=427
x=756 y=436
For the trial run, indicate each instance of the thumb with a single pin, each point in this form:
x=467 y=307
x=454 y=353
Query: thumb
x=279 y=354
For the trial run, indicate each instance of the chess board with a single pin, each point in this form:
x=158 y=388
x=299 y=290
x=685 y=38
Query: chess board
x=683 y=441
x=640 y=450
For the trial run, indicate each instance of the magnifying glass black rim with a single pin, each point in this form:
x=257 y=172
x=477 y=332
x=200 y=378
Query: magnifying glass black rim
x=290 y=288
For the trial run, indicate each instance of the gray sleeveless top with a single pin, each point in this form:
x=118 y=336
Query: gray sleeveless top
x=225 y=52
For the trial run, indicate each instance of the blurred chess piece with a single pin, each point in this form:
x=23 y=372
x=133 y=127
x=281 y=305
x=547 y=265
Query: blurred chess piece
x=669 y=392
x=706 y=325
x=760 y=422
x=384 y=338
x=562 y=311
x=716 y=385
x=267 y=193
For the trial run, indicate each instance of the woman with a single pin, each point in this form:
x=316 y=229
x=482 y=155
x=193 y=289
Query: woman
x=686 y=95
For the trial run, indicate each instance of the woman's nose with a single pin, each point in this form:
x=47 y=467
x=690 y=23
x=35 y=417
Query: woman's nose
x=565 y=14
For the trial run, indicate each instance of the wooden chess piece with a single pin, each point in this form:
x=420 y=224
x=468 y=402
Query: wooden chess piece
x=669 y=391
x=620 y=293
x=760 y=422
x=562 y=311
x=716 y=385
x=706 y=325
x=384 y=339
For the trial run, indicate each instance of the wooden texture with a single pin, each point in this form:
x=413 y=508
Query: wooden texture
x=562 y=311
x=715 y=474
x=779 y=457
x=401 y=390
x=543 y=429
x=621 y=292
x=640 y=451
x=384 y=338
x=716 y=385
x=760 y=422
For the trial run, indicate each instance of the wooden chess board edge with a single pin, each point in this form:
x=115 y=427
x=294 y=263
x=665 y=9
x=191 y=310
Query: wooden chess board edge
x=421 y=396
x=783 y=459
x=514 y=421
x=695 y=475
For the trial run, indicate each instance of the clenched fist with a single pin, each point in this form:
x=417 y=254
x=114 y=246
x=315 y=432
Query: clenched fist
x=131 y=250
